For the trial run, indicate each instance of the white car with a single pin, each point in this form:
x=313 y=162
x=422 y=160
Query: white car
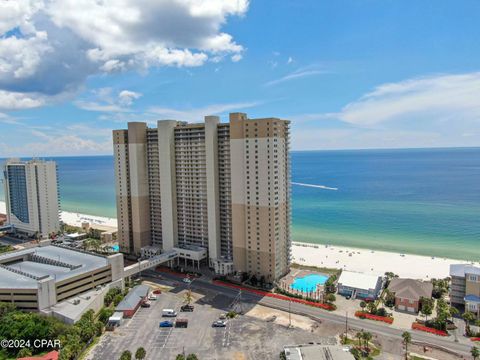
x=152 y=297
x=187 y=280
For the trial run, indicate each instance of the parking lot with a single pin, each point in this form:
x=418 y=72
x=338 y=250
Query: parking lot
x=244 y=337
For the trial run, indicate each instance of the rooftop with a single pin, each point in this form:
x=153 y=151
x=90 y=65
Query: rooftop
x=317 y=352
x=358 y=280
x=460 y=270
x=24 y=268
x=133 y=298
x=411 y=289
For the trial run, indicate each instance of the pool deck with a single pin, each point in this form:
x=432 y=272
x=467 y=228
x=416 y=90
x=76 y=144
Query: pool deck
x=288 y=280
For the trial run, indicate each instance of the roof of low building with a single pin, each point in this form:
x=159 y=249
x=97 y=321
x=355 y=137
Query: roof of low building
x=410 y=289
x=317 y=352
x=52 y=355
x=460 y=270
x=23 y=268
x=133 y=298
x=358 y=280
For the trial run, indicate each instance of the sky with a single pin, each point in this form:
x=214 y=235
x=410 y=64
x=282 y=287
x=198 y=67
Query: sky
x=349 y=74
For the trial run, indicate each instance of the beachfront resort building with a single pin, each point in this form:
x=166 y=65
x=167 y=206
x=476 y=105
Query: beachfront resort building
x=409 y=292
x=31 y=196
x=219 y=187
x=359 y=285
x=465 y=287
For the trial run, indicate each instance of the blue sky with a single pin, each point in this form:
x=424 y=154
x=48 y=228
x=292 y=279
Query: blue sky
x=349 y=74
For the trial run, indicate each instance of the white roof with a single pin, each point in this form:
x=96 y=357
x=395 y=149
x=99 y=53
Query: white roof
x=358 y=280
x=460 y=270
x=117 y=316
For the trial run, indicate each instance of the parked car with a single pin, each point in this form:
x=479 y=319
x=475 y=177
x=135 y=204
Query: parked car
x=187 y=308
x=166 y=323
x=222 y=316
x=145 y=304
x=219 y=323
x=152 y=297
x=187 y=280
x=181 y=323
x=169 y=313
x=157 y=291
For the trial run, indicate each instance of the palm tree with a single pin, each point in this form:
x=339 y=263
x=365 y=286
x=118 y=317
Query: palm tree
x=359 y=336
x=367 y=336
x=187 y=299
x=407 y=339
x=453 y=311
x=140 y=353
x=475 y=353
x=371 y=307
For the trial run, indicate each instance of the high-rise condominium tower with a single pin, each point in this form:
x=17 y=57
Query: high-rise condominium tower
x=31 y=194
x=223 y=187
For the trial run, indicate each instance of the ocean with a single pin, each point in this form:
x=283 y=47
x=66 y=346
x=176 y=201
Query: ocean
x=419 y=201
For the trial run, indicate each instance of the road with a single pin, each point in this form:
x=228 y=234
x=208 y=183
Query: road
x=322 y=315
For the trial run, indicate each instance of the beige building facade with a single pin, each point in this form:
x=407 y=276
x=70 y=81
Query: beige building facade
x=223 y=187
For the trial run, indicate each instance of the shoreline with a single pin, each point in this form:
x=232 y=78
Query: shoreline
x=364 y=260
x=372 y=261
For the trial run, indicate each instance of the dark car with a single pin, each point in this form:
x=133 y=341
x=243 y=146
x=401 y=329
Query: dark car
x=219 y=323
x=166 y=324
x=187 y=308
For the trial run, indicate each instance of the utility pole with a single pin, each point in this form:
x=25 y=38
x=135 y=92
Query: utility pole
x=289 y=314
x=346 y=326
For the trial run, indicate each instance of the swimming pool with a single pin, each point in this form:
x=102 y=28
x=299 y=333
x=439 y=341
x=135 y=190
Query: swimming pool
x=309 y=282
x=116 y=248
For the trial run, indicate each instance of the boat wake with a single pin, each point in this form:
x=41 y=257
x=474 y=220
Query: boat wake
x=315 y=186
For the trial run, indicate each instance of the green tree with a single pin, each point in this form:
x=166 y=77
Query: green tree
x=330 y=298
x=24 y=352
x=117 y=299
x=475 y=353
x=371 y=307
x=192 y=357
x=468 y=317
x=104 y=314
x=407 y=339
x=140 y=353
x=426 y=307
x=453 y=311
x=180 y=357
x=126 y=355
x=363 y=305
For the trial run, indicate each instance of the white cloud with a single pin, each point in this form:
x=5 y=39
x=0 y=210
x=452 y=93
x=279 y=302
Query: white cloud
x=15 y=100
x=197 y=114
x=297 y=74
x=60 y=142
x=431 y=111
x=51 y=46
x=439 y=97
x=126 y=97
x=290 y=60
x=106 y=101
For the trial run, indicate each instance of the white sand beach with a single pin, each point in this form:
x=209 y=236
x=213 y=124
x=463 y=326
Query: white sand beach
x=76 y=219
x=372 y=261
x=349 y=258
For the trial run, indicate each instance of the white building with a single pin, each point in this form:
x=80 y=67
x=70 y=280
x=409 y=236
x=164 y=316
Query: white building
x=359 y=285
x=31 y=194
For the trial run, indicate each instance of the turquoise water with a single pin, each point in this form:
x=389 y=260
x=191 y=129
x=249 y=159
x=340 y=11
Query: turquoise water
x=420 y=201
x=116 y=248
x=308 y=283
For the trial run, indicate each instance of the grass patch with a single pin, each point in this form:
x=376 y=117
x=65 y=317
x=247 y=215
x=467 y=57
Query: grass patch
x=330 y=271
x=374 y=350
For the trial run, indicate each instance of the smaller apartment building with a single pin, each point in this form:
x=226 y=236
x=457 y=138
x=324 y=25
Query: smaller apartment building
x=465 y=287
